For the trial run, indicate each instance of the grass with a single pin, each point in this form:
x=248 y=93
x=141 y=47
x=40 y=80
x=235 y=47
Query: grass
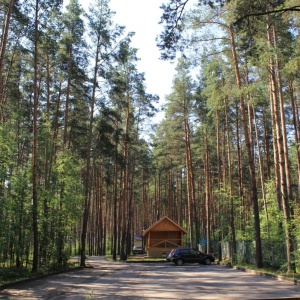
x=146 y=259
x=14 y=274
x=139 y=259
x=280 y=272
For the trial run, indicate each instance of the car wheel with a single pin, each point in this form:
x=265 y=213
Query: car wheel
x=179 y=262
x=207 y=261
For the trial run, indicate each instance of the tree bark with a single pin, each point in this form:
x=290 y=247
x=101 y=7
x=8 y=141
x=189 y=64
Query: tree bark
x=260 y=162
x=190 y=180
x=296 y=124
x=232 y=218
x=279 y=117
x=251 y=165
x=207 y=193
x=88 y=161
x=35 y=259
x=115 y=206
x=4 y=38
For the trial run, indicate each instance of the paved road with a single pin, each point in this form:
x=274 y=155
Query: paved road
x=154 y=281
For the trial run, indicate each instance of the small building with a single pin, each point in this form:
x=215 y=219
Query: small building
x=163 y=236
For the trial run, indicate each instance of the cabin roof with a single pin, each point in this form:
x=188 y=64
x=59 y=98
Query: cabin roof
x=161 y=220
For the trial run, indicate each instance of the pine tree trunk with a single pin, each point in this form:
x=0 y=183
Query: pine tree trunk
x=68 y=91
x=274 y=134
x=218 y=207
x=267 y=147
x=115 y=205
x=282 y=148
x=230 y=176
x=124 y=203
x=261 y=167
x=239 y=151
x=207 y=193
x=190 y=182
x=283 y=123
x=87 y=185
x=218 y=149
x=35 y=258
x=296 y=125
x=4 y=38
x=251 y=165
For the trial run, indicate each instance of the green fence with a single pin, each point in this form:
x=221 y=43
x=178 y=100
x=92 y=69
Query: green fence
x=273 y=252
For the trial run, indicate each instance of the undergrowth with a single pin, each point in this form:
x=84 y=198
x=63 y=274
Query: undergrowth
x=268 y=270
x=14 y=274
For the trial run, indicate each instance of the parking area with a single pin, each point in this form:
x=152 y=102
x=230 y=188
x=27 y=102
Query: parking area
x=111 y=280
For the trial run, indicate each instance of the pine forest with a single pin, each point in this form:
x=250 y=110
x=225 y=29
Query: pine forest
x=83 y=168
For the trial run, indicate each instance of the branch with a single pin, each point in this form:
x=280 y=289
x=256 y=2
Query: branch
x=212 y=39
x=181 y=12
x=283 y=10
x=171 y=18
x=215 y=53
x=213 y=22
x=182 y=6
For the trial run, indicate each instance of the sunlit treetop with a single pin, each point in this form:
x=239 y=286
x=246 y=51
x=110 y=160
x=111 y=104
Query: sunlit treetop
x=171 y=39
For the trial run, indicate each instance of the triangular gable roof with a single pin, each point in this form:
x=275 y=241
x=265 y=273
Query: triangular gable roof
x=159 y=221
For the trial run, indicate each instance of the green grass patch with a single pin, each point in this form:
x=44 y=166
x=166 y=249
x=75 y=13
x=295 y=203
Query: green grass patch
x=14 y=274
x=134 y=258
x=272 y=271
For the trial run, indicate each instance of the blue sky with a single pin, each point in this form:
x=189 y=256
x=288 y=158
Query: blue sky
x=142 y=17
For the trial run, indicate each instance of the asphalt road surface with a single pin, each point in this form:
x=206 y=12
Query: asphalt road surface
x=109 y=280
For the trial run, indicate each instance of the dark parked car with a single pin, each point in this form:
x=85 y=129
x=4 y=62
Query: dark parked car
x=137 y=250
x=187 y=255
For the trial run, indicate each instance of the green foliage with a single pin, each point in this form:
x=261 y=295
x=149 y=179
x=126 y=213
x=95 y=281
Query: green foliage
x=67 y=174
x=272 y=229
x=67 y=167
x=13 y=274
x=272 y=219
x=296 y=232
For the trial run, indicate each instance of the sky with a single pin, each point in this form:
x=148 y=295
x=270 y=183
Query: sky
x=142 y=17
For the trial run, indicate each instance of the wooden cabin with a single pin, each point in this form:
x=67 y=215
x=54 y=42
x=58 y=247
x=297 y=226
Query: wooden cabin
x=163 y=236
